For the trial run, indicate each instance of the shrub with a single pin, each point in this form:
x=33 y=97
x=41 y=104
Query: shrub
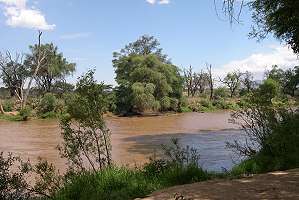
x=174 y=104
x=25 y=113
x=220 y=93
x=271 y=129
x=47 y=104
x=8 y=105
x=220 y=104
x=165 y=103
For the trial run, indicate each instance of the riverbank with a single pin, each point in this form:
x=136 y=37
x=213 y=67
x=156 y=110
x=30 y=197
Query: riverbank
x=274 y=185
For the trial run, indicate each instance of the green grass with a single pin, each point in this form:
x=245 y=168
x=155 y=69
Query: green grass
x=122 y=183
x=15 y=118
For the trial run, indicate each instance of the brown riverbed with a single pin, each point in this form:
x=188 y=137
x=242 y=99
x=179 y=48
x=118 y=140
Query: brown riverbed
x=134 y=139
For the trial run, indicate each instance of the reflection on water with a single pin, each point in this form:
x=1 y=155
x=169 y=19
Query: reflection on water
x=133 y=139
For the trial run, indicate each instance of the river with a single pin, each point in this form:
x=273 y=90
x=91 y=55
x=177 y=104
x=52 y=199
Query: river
x=134 y=139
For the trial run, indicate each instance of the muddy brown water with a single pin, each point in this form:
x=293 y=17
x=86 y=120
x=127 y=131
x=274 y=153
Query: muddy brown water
x=134 y=139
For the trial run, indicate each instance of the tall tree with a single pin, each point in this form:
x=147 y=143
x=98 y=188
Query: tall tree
x=13 y=73
x=233 y=81
x=194 y=82
x=54 y=68
x=247 y=81
x=142 y=62
x=210 y=81
x=188 y=79
x=39 y=60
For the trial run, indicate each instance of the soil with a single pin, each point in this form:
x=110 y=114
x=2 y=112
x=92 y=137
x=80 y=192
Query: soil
x=275 y=185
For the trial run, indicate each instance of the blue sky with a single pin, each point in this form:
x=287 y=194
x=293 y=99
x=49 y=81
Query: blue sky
x=88 y=31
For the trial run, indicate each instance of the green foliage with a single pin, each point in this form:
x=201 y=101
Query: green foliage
x=165 y=103
x=25 y=113
x=287 y=79
x=8 y=105
x=141 y=63
x=233 y=81
x=279 y=17
x=54 y=67
x=84 y=132
x=178 y=167
x=12 y=183
x=143 y=97
x=220 y=93
x=271 y=127
x=47 y=105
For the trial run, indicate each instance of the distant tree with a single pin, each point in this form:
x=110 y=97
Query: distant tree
x=233 y=81
x=287 y=79
x=210 y=80
x=195 y=82
x=291 y=83
x=188 y=79
x=55 y=67
x=13 y=73
x=142 y=62
x=276 y=74
x=247 y=81
x=145 y=45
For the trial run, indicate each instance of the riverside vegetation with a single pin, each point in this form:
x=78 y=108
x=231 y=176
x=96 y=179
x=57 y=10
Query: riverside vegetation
x=270 y=124
x=147 y=82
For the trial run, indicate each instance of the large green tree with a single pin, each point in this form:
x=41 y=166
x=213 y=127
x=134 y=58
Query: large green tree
x=54 y=68
x=142 y=62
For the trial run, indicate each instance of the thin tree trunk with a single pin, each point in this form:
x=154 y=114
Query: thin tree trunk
x=39 y=62
x=1 y=108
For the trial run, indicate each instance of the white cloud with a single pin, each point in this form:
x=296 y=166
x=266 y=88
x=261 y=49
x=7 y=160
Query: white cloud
x=19 y=15
x=164 y=1
x=258 y=63
x=73 y=36
x=158 y=1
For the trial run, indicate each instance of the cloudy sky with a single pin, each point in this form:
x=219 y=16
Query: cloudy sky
x=88 y=31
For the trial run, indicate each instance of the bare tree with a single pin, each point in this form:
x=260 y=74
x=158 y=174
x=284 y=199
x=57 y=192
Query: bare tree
x=1 y=108
x=210 y=80
x=13 y=72
x=188 y=75
x=203 y=81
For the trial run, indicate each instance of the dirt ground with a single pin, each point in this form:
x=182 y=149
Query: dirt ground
x=275 y=185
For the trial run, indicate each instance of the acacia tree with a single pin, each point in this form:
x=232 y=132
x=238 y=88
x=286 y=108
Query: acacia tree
x=54 y=68
x=233 y=81
x=248 y=81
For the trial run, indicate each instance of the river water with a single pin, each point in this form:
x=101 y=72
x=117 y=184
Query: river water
x=134 y=139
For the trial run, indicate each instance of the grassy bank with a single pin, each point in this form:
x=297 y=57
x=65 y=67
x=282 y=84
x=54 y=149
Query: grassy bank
x=122 y=183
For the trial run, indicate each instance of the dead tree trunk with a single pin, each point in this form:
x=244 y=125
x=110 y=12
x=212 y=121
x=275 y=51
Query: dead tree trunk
x=40 y=57
x=211 y=81
x=1 y=108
